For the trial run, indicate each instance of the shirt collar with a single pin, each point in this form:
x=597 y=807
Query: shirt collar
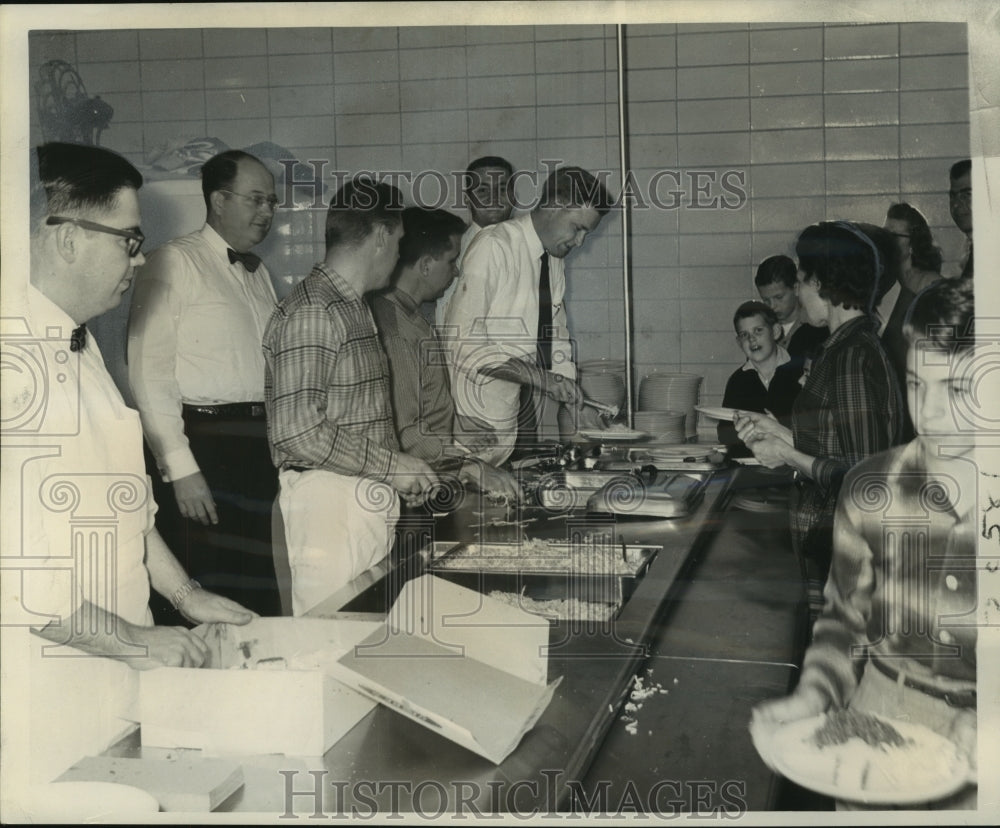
x=339 y=282
x=216 y=242
x=783 y=357
x=535 y=246
x=858 y=323
x=404 y=300
x=46 y=315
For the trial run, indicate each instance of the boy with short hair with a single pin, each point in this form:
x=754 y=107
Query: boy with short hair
x=775 y=280
x=768 y=380
x=897 y=635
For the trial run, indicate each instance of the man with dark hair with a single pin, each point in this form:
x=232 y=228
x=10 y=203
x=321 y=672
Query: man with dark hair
x=960 y=204
x=195 y=367
x=775 y=281
x=488 y=196
x=422 y=406
x=329 y=416
x=509 y=313
x=80 y=454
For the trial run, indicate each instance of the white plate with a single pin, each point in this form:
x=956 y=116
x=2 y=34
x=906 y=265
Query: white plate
x=929 y=767
x=747 y=461
x=717 y=412
x=612 y=436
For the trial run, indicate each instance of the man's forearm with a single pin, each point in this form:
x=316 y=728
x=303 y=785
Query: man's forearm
x=166 y=575
x=96 y=631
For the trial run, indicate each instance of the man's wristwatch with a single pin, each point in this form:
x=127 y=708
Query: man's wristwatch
x=183 y=592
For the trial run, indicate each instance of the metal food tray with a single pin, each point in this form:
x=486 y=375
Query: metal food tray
x=565 y=577
x=664 y=495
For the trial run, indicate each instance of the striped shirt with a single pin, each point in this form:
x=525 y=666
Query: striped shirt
x=849 y=408
x=326 y=383
x=901 y=587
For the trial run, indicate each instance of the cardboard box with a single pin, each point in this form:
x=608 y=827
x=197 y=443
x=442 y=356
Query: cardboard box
x=268 y=688
x=463 y=665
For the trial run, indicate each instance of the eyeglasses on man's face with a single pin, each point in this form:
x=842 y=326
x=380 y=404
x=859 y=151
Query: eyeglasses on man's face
x=963 y=195
x=133 y=238
x=258 y=200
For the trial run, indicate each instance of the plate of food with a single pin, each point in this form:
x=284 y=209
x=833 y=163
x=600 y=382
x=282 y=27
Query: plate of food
x=614 y=433
x=863 y=757
x=717 y=412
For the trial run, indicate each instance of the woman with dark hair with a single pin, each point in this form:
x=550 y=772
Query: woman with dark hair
x=849 y=407
x=920 y=268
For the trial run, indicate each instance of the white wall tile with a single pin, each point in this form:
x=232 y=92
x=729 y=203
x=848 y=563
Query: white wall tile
x=804 y=78
x=501 y=60
x=433 y=93
x=365 y=67
x=308 y=131
x=443 y=125
x=713 y=49
x=298 y=40
x=447 y=62
x=770 y=180
x=948 y=72
x=358 y=130
x=240 y=103
x=155 y=44
x=107 y=45
x=360 y=98
x=880 y=74
x=181 y=105
x=784 y=45
x=789 y=145
x=786 y=111
x=234 y=42
x=234 y=72
x=105 y=78
x=845 y=143
x=512 y=90
x=933 y=38
x=861 y=41
x=713 y=116
x=300 y=70
x=846 y=177
x=861 y=109
x=713 y=82
x=642 y=52
x=174 y=74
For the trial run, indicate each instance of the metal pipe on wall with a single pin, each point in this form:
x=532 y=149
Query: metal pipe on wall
x=626 y=224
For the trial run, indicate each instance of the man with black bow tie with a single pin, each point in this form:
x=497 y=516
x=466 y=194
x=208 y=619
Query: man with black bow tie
x=73 y=450
x=198 y=315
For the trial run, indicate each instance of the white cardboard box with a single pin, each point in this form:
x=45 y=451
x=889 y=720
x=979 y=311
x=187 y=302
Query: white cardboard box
x=462 y=664
x=272 y=690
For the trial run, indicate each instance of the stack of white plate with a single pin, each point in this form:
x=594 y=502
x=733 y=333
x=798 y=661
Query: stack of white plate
x=664 y=391
x=603 y=380
x=666 y=426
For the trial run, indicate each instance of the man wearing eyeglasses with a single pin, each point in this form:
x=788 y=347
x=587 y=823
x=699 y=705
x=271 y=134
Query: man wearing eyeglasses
x=960 y=204
x=196 y=370
x=84 y=517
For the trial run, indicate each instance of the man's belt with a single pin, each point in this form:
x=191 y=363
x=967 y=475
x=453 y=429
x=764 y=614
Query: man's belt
x=957 y=697
x=227 y=411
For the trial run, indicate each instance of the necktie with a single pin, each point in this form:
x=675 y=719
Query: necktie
x=249 y=260
x=545 y=316
x=78 y=339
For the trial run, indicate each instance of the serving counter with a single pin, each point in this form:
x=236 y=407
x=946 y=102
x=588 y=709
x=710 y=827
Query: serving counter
x=653 y=708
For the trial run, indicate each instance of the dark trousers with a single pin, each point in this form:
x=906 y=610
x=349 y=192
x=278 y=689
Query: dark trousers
x=233 y=557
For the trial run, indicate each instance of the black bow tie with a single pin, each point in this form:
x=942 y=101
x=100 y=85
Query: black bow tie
x=249 y=260
x=78 y=339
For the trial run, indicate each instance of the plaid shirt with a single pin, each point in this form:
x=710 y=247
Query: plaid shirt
x=901 y=586
x=849 y=408
x=326 y=385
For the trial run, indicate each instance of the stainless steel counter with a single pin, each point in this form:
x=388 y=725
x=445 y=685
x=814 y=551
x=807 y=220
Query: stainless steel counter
x=715 y=621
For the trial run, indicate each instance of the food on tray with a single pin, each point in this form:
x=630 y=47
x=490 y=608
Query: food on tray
x=557 y=609
x=864 y=757
x=543 y=556
x=847 y=724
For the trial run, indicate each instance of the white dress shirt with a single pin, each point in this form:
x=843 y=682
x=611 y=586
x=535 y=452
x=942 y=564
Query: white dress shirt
x=73 y=459
x=195 y=335
x=493 y=316
x=441 y=308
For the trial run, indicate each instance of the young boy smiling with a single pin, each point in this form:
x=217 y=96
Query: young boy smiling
x=768 y=380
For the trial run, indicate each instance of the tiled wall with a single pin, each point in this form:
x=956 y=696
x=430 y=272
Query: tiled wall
x=816 y=121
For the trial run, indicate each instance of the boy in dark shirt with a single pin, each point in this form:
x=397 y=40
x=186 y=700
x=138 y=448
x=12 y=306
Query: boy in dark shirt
x=769 y=379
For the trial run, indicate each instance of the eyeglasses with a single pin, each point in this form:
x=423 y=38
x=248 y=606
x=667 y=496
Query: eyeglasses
x=961 y=195
x=901 y=235
x=258 y=200
x=134 y=238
